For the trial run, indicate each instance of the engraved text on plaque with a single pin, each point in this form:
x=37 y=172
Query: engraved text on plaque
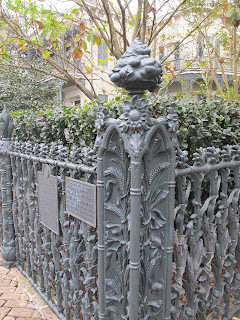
x=81 y=200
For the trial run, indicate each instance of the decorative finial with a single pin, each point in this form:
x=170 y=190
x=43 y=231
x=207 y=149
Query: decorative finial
x=6 y=123
x=136 y=70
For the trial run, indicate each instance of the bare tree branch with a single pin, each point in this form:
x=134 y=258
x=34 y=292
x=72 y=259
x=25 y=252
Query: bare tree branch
x=95 y=21
x=127 y=3
x=144 y=20
x=190 y=33
x=123 y=12
x=153 y=27
x=112 y=29
x=32 y=67
x=167 y=21
x=137 y=20
x=17 y=31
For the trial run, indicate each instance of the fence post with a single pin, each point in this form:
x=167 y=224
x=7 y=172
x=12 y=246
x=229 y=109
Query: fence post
x=8 y=248
x=136 y=167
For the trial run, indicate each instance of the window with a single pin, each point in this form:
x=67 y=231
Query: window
x=77 y=102
x=200 y=47
x=177 y=56
x=217 y=49
x=102 y=54
x=103 y=97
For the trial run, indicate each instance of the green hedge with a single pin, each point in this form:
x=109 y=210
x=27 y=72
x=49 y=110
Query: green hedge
x=202 y=124
x=60 y=125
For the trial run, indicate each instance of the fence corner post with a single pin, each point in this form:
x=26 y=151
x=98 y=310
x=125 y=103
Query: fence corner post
x=8 y=248
x=136 y=181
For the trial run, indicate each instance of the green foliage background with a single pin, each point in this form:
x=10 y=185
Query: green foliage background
x=202 y=124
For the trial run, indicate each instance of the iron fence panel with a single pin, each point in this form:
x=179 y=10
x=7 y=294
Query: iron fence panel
x=62 y=266
x=206 y=278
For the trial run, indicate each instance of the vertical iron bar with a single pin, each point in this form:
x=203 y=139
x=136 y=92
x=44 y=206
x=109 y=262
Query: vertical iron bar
x=8 y=246
x=101 y=246
x=237 y=177
x=26 y=218
x=169 y=251
x=135 y=239
x=38 y=233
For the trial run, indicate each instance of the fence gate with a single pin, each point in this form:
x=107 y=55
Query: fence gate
x=135 y=199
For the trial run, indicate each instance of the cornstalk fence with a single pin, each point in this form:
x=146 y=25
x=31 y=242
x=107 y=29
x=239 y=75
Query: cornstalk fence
x=129 y=230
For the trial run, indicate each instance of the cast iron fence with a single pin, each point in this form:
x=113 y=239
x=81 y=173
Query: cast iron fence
x=155 y=253
x=60 y=264
x=206 y=264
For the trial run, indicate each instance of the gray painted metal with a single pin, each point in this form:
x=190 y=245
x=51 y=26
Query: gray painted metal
x=136 y=204
x=139 y=222
x=8 y=248
x=1 y=217
x=136 y=70
x=62 y=267
x=206 y=277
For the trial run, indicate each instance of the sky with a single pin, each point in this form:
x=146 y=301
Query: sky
x=61 y=5
x=65 y=5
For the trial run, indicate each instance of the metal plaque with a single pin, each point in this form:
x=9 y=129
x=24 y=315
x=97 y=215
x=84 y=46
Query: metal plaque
x=48 y=199
x=81 y=200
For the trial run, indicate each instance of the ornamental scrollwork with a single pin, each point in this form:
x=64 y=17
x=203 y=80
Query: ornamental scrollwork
x=116 y=207
x=100 y=123
x=154 y=228
x=135 y=122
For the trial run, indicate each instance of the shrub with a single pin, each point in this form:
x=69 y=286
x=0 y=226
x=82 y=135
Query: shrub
x=201 y=124
x=204 y=123
x=58 y=125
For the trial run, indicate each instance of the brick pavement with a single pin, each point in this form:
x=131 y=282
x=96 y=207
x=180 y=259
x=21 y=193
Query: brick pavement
x=19 y=300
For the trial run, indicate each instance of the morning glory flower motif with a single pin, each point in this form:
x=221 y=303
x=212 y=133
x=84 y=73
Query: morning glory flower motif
x=136 y=116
